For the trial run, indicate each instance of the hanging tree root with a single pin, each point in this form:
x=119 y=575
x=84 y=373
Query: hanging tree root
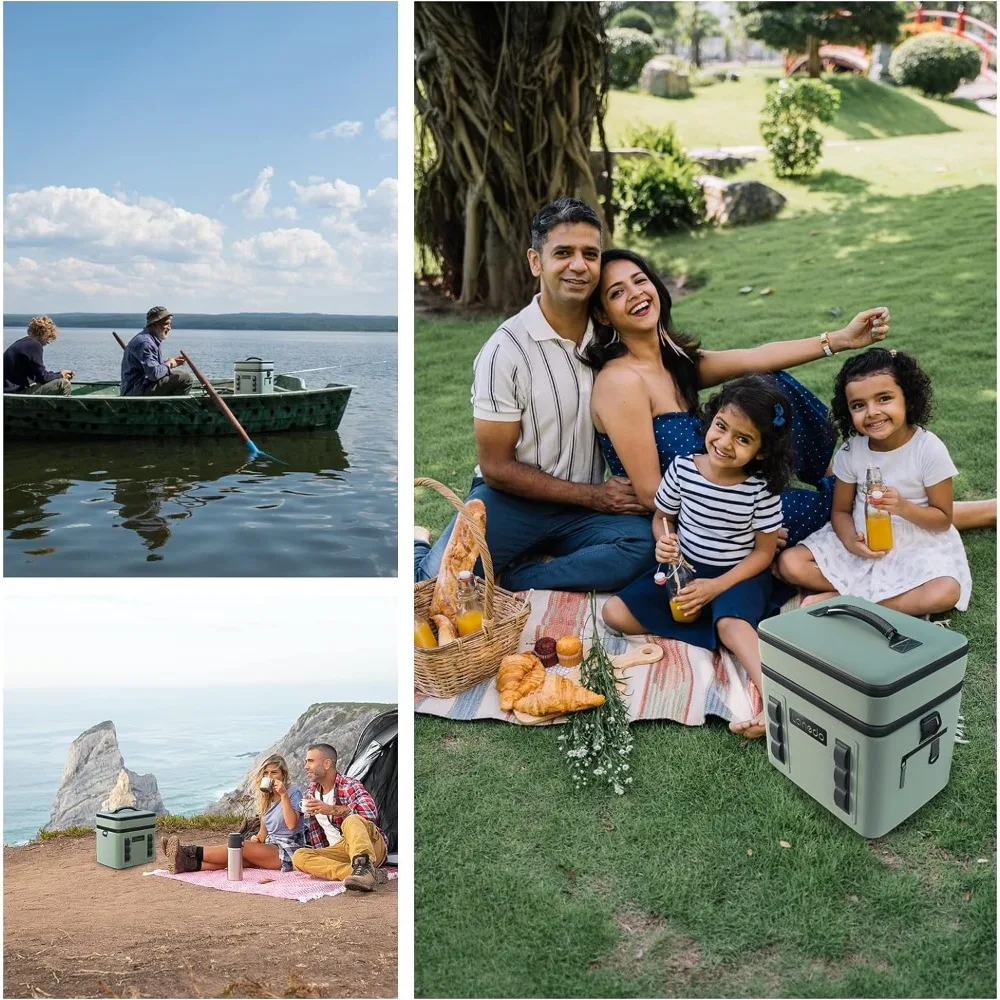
x=508 y=97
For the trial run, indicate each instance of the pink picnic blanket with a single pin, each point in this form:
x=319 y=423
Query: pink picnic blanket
x=262 y=882
x=686 y=685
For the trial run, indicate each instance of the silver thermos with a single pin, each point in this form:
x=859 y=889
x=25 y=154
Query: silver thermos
x=234 y=867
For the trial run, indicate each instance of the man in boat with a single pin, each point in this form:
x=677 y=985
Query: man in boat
x=23 y=369
x=340 y=818
x=541 y=473
x=144 y=371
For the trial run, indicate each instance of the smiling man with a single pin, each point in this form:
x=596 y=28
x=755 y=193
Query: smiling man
x=553 y=522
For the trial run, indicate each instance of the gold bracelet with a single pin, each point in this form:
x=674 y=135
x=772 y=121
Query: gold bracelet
x=824 y=342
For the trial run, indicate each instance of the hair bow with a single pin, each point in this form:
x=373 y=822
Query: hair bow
x=779 y=415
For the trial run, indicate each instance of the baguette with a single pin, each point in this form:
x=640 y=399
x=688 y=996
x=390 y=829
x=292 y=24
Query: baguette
x=461 y=553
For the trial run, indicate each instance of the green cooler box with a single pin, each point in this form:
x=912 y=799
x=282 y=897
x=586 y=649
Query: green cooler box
x=862 y=704
x=126 y=837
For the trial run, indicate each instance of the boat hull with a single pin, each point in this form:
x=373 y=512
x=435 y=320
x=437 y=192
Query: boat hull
x=96 y=411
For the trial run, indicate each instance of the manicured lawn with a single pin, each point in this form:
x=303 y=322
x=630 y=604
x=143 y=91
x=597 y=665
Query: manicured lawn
x=525 y=888
x=726 y=114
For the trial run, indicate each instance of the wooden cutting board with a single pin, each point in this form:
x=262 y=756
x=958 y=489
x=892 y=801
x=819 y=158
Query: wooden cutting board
x=646 y=654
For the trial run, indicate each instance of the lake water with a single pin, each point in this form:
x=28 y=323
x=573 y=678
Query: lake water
x=197 y=743
x=195 y=507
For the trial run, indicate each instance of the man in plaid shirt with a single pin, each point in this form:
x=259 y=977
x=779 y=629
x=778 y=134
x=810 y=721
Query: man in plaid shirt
x=346 y=845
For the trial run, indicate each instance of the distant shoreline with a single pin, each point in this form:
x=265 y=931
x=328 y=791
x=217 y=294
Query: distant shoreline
x=223 y=321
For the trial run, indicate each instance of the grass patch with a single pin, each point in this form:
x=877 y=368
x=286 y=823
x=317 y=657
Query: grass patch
x=681 y=887
x=165 y=824
x=728 y=114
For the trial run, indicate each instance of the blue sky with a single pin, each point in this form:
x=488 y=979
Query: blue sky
x=211 y=156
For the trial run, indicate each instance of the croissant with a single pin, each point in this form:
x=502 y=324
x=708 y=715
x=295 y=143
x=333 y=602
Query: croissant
x=446 y=631
x=557 y=695
x=518 y=674
x=461 y=553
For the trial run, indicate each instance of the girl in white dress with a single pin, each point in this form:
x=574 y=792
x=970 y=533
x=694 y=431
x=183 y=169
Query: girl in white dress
x=882 y=400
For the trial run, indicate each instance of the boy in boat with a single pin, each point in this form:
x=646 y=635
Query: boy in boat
x=23 y=370
x=144 y=372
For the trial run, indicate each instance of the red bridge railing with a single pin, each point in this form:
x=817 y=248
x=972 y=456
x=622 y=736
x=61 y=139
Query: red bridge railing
x=959 y=23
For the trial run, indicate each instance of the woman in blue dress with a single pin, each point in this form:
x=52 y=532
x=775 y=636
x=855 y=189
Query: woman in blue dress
x=645 y=394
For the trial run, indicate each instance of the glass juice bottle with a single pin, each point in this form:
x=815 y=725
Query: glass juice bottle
x=678 y=577
x=470 y=608
x=878 y=523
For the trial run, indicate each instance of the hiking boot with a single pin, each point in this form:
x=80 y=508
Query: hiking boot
x=180 y=859
x=363 y=876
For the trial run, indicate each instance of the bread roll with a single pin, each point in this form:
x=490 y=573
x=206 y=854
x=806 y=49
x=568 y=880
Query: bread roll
x=445 y=629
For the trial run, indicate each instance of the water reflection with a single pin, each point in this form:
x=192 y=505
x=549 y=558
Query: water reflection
x=147 y=486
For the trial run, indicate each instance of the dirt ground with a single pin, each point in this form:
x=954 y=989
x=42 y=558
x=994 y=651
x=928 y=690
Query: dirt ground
x=73 y=928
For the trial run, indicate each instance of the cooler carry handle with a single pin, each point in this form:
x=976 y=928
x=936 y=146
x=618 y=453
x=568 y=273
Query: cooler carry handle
x=898 y=642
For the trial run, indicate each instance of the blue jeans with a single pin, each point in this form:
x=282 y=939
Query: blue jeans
x=588 y=550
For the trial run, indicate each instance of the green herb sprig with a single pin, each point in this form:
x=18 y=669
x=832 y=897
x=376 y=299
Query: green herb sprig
x=597 y=742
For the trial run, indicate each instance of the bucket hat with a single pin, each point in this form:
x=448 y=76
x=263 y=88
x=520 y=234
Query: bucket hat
x=157 y=315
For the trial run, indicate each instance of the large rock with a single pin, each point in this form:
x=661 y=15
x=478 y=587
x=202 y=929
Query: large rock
x=730 y=203
x=662 y=79
x=338 y=723
x=95 y=778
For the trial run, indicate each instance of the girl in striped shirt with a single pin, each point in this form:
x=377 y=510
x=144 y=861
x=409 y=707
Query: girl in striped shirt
x=724 y=509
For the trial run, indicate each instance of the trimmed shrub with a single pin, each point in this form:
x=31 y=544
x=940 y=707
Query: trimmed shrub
x=628 y=51
x=657 y=194
x=935 y=63
x=791 y=109
x=632 y=17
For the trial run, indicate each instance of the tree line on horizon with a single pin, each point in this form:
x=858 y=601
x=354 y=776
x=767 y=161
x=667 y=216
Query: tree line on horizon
x=221 y=321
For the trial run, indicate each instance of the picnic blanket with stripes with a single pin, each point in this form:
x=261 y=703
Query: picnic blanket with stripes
x=687 y=685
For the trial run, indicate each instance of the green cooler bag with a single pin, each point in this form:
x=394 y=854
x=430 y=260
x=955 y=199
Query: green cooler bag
x=862 y=704
x=126 y=837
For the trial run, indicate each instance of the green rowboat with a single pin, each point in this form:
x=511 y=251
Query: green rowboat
x=95 y=410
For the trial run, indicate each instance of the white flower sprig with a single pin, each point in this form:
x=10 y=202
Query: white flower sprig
x=597 y=742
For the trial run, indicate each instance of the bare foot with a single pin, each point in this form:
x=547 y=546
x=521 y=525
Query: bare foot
x=421 y=534
x=816 y=598
x=752 y=729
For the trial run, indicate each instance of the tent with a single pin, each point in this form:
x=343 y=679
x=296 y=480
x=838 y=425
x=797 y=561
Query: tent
x=374 y=765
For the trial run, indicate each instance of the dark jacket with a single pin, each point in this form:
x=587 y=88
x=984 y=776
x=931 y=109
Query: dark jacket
x=23 y=367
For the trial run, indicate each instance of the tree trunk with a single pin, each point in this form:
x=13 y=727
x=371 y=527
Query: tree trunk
x=508 y=97
x=815 y=65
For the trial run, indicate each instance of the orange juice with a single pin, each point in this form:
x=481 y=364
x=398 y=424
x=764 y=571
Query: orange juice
x=469 y=621
x=879 y=531
x=423 y=635
x=679 y=615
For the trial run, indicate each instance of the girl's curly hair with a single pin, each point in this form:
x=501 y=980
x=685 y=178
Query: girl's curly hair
x=769 y=411
x=606 y=345
x=914 y=382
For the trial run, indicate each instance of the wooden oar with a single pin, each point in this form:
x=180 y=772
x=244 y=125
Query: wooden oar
x=226 y=412
x=121 y=343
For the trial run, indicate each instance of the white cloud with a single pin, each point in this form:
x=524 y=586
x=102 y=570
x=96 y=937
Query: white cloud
x=80 y=249
x=387 y=125
x=336 y=194
x=342 y=130
x=286 y=249
x=51 y=216
x=254 y=199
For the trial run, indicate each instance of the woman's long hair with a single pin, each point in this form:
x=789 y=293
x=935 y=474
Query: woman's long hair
x=264 y=800
x=678 y=351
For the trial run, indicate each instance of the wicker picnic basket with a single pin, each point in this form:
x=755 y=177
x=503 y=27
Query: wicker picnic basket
x=448 y=670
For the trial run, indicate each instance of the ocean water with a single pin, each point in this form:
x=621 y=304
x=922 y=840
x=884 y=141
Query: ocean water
x=195 y=506
x=198 y=742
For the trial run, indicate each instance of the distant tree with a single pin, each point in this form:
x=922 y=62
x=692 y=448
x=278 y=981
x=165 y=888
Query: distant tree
x=803 y=27
x=664 y=15
x=698 y=23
